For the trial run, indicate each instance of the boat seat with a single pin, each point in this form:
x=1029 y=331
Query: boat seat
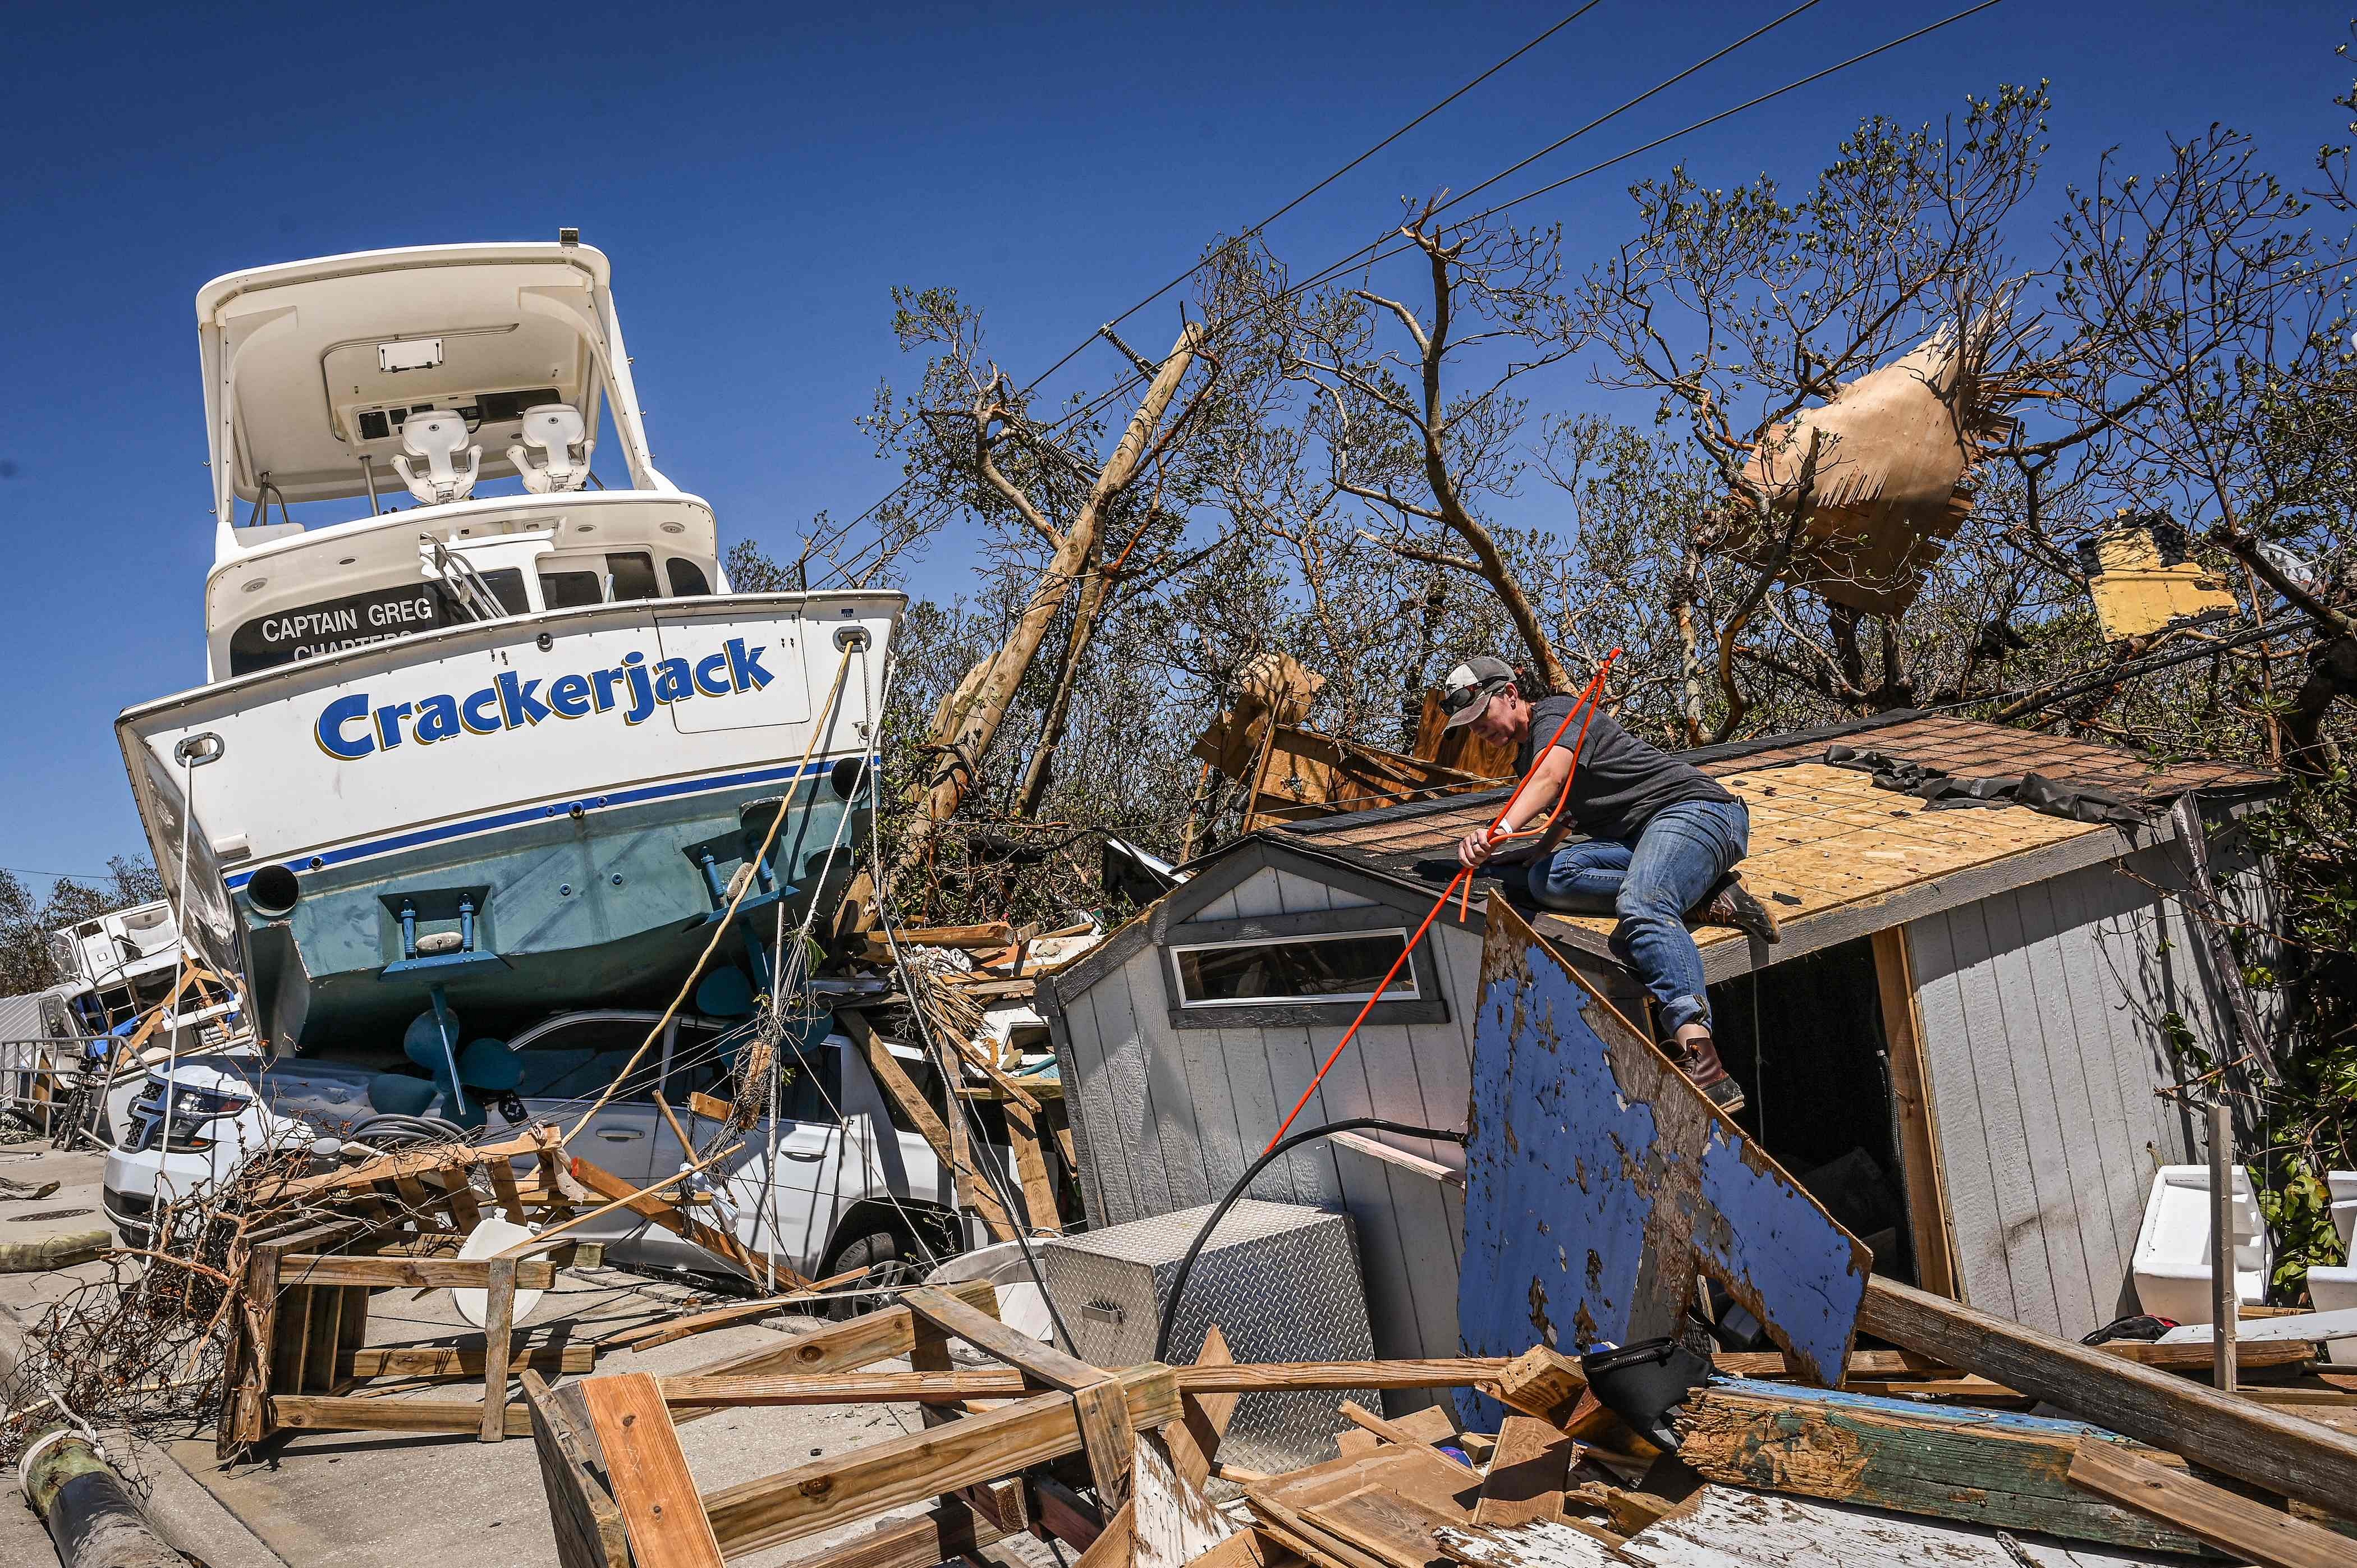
x=437 y=436
x=552 y=430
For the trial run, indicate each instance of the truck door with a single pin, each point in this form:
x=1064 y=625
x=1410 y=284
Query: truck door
x=790 y=1211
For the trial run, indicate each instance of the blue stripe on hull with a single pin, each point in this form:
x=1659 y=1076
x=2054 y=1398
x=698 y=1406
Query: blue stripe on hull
x=411 y=840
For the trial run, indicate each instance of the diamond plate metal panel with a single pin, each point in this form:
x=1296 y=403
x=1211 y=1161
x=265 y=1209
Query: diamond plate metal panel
x=1282 y=1282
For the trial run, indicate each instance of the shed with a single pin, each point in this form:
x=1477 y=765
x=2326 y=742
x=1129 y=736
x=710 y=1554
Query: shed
x=1959 y=1044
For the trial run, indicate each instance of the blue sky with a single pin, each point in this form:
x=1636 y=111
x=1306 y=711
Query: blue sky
x=761 y=176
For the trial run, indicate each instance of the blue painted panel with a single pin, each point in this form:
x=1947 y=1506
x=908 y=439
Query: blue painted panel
x=1597 y=1179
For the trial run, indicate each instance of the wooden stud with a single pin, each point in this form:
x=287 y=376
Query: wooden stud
x=948 y=1143
x=1394 y=1433
x=456 y=1361
x=2251 y=1442
x=1194 y=1439
x=2210 y=1514
x=1921 y=1174
x=498 y=1335
x=652 y=1484
x=832 y=1491
x=984 y=1331
x=1527 y=1474
x=590 y=1532
x=424 y=1274
x=327 y=1413
x=1108 y=1441
x=1541 y=1382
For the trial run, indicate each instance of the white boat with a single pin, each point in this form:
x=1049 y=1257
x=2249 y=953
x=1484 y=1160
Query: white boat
x=477 y=729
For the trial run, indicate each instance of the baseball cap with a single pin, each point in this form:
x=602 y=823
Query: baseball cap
x=1469 y=688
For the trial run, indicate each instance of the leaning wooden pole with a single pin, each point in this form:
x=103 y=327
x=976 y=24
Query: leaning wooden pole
x=966 y=728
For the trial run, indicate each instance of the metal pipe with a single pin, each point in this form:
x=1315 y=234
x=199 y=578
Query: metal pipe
x=368 y=472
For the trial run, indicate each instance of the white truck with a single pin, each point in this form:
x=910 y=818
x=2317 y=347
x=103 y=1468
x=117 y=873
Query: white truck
x=863 y=1192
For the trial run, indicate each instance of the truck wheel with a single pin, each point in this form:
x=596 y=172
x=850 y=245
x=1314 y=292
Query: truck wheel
x=884 y=1253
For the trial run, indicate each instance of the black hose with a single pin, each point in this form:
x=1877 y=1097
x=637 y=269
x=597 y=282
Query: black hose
x=391 y=1130
x=1220 y=1210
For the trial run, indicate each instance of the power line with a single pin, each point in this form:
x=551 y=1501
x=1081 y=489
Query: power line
x=1075 y=352
x=1330 y=179
x=1381 y=250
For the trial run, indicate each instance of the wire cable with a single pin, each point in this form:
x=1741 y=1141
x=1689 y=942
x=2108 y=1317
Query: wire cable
x=1220 y=1210
x=1383 y=249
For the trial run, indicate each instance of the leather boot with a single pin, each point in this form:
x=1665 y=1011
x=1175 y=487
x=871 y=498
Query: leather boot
x=1698 y=1058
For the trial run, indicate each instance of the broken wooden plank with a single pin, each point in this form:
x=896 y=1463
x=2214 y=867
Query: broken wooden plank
x=984 y=1332
x=460 y=1362
x=345 y=1413
x=1194 y=1438
x=2210 y=1514
x=2241 y=1438
x=1543 y=1543
x=590 y=1529
x=1108 y=1439
x=429 y=1274
x=648 y=1473
x=1359 y=1415
x=1171 y=1521
x=948 y=1147
x=1527 y=1474
x=835 y=1490
x=1581 y=1122
x=2004 y=1471
x=1543 y=1382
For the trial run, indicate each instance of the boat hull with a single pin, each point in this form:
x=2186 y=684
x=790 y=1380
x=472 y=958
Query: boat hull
x=609 y=772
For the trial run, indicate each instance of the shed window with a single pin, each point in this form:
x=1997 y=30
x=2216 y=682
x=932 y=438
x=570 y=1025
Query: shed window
x=1345 y=967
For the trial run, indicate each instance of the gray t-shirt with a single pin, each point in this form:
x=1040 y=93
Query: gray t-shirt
x=1620 y=781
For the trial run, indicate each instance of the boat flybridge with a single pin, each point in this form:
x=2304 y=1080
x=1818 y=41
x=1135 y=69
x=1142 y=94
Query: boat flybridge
x=484 y=727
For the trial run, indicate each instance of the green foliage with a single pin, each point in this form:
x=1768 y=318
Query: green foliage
x=2298 y=1207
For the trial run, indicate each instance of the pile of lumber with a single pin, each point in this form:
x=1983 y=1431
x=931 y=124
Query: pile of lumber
x=1920 y=1456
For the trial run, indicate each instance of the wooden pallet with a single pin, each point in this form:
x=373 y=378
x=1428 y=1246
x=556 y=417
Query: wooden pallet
x=621 y=1491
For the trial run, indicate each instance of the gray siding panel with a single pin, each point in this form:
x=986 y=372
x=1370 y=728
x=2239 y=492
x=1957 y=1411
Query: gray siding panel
x=2043 y=1025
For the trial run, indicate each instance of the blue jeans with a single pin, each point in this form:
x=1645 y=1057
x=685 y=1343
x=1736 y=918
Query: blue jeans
x=1650 y=884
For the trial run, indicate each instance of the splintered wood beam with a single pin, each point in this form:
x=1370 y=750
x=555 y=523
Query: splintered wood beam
x=1543 y=1382
x=832 y=1492
x=648 y=1473
x=2239 y=1437
x=949 y=1148
x=2210 y=1514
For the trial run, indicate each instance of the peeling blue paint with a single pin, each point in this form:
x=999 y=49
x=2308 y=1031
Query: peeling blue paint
x=1583 y=1219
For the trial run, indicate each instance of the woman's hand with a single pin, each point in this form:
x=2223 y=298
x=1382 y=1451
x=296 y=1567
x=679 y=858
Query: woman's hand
x=1474 y=848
